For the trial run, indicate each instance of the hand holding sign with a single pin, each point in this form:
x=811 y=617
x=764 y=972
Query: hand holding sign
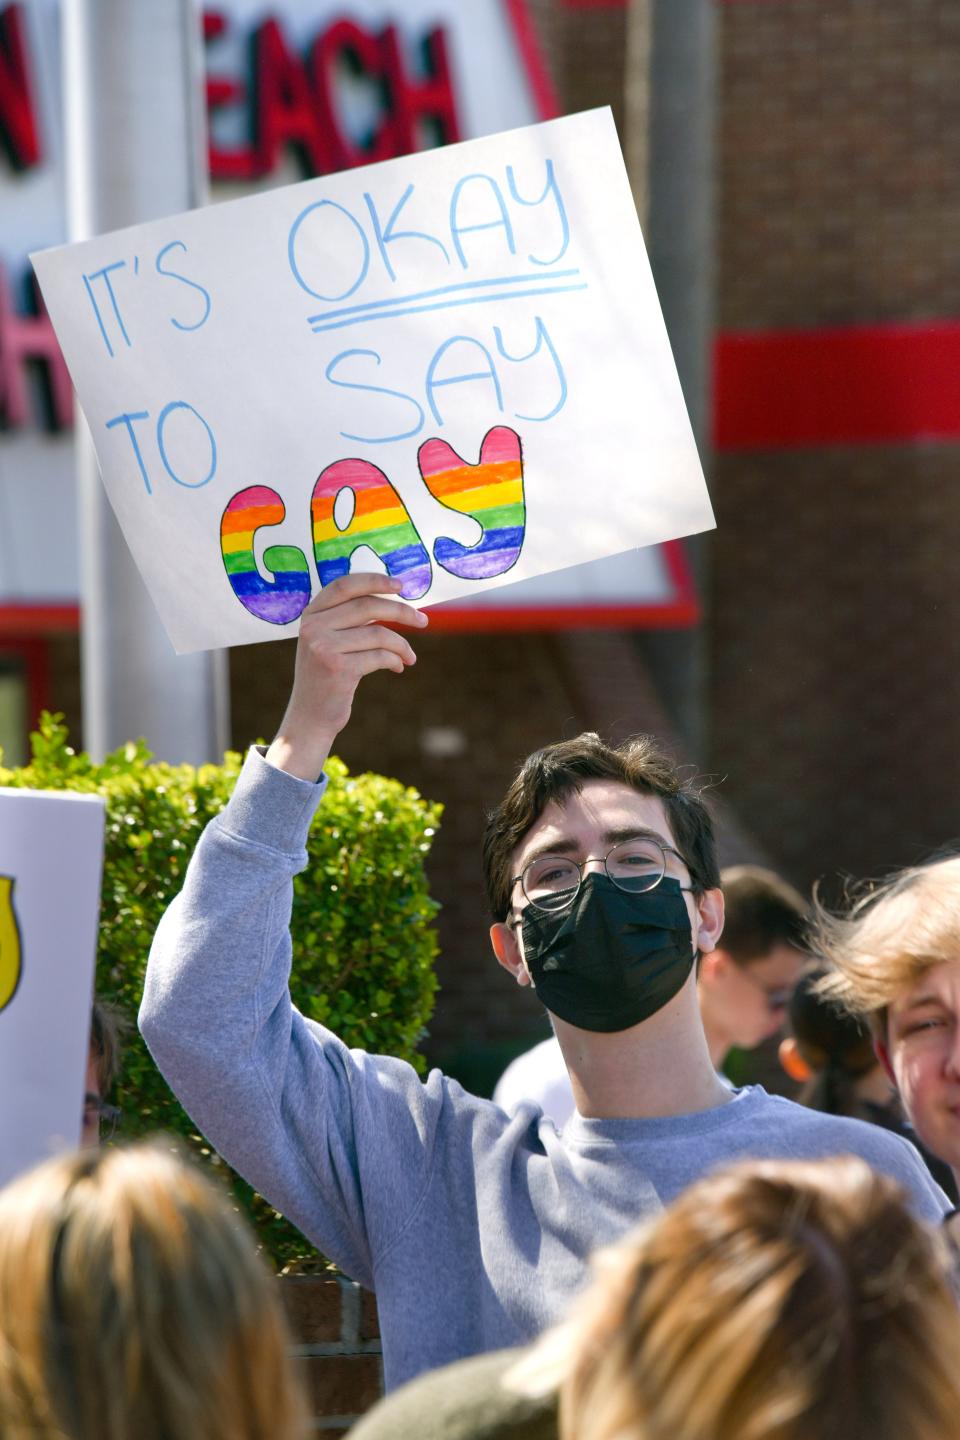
x=450 y=369
x=345 y=633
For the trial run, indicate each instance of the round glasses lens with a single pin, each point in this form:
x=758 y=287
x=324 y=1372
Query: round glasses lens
x=551 y=882
x=636 y=865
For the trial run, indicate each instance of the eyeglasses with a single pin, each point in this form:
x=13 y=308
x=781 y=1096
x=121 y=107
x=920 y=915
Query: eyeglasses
x=777 y=998
x=552 y=882
x=108 y=1116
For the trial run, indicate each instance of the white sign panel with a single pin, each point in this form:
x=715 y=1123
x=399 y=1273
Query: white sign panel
x=293 y=83
x=51 y=854
x=450 y=366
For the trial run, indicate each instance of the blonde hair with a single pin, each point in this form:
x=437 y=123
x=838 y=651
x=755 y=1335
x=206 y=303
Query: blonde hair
x=772 y=1301
x=133 y=1306
x=891 y=935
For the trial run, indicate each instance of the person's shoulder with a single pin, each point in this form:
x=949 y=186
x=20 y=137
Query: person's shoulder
x=467 y=1400
x=803 y=1119
x=821 y=1134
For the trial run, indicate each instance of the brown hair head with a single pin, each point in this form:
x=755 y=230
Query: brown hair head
x=108 y=1027
x=835 y=1047
x=772 y=1301
x=555 y=772
x=760 y=910
x=133 y=1303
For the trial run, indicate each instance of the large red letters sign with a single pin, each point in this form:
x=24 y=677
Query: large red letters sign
x=292 y=101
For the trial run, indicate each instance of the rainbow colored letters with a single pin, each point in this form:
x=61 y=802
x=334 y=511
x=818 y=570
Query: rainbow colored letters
x=379 y=520
x=283 y=598
x=490 y=492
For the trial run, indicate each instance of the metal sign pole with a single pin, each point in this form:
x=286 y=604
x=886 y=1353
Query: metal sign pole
x=135 y=151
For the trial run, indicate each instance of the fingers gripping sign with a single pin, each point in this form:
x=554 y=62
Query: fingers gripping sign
x=347 y=632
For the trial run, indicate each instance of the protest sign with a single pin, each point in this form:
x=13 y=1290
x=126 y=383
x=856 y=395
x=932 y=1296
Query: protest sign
x=51 y=858
x=450 y=366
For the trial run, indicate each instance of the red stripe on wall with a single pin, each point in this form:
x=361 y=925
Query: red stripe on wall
x=18 y=622
x=858 y=385
x=676 y=616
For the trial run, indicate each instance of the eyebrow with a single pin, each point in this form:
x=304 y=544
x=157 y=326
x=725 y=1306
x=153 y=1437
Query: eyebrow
x=569 y=846
x=921 y=1002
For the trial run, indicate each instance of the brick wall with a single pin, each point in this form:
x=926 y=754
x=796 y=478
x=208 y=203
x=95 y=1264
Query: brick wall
x=336 y=1345
x=839 y=132
x=834 y=610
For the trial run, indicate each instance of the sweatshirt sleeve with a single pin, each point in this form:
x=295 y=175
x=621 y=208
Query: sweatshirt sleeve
x=339 y=1141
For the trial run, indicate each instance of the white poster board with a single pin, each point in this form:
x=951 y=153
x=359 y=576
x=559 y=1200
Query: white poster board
x=51 y=858
x=451 y=366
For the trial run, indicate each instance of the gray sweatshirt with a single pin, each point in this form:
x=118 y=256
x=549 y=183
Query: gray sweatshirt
x=472 y=1226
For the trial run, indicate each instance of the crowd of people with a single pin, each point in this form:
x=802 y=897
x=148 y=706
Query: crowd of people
x=674 y=1258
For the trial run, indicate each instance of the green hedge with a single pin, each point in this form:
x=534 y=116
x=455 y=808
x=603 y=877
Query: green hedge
x=363 y=938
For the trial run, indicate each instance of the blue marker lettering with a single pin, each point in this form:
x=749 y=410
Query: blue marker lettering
x=165 y=414
x=173 y=275
x=385 y=237
x=292 y=244
x=543 y=338
x=503 y=223
x=127 y=419
x=373 y=390
x=551 y=188
x=490 y=373
x=104 y=275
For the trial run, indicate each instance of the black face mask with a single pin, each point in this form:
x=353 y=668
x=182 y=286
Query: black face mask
x=613 y=958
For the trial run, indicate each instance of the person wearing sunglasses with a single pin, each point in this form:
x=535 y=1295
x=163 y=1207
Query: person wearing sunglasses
x=474 y=1228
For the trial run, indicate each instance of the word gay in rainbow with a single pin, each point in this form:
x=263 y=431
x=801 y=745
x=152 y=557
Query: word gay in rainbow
x=51 y=857
x=450 y=367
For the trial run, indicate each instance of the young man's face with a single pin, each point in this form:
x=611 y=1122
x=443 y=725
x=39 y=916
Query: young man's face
x=748 y=1001
x=922 y=1052
x=584 y=828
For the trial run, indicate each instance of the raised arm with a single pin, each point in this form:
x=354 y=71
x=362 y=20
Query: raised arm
x=301 y=1117
x=345 y=633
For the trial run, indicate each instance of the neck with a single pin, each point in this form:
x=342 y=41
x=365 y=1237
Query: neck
x=874 y=1086
x=659 y=1068
x=719 y=1043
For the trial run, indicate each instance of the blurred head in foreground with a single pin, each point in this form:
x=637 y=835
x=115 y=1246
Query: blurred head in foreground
x=772 y=1301
x=133 y=1306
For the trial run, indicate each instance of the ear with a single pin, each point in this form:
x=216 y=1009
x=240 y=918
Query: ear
x=507 y=950
x=710 y=920
x=792 y=1061
x=713 y=965
x=883 y=1055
